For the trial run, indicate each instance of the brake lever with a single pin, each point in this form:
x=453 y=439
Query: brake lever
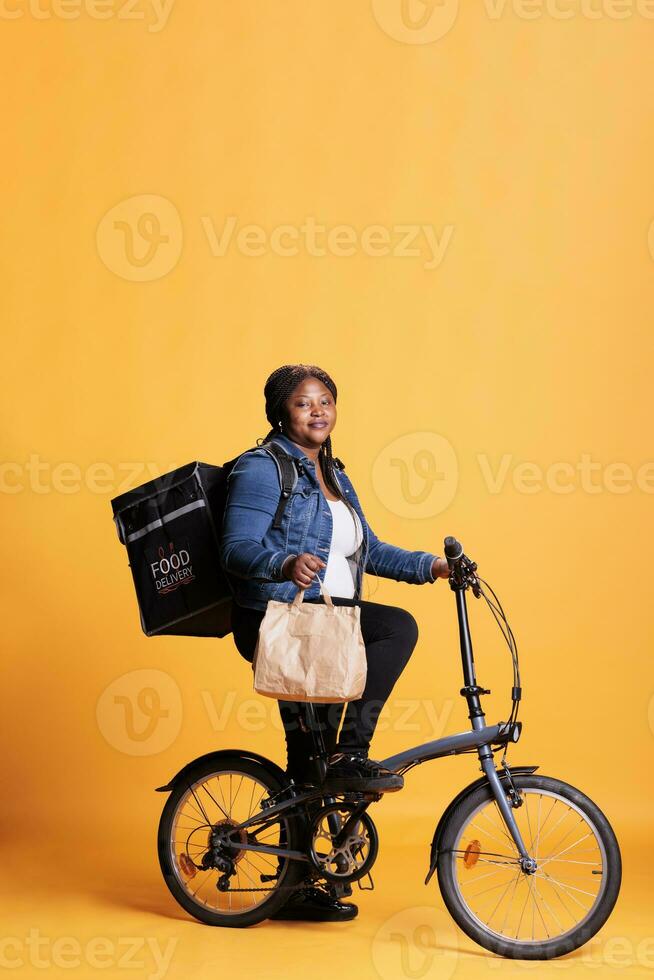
x=466 y=575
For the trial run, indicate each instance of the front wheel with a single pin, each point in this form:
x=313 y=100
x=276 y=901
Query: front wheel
x=227 y=886
x=530 y=916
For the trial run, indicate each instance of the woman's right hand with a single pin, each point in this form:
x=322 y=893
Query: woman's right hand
x=301 y=569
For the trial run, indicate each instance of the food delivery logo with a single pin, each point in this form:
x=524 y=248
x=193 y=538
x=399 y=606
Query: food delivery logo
x=140 y=238
x=171 y=568
x=415 y=21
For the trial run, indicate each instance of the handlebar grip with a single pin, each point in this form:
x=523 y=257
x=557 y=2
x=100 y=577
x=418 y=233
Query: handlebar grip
x=453 y=549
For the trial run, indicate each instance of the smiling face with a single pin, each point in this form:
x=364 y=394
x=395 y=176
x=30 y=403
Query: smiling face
x=309 y=415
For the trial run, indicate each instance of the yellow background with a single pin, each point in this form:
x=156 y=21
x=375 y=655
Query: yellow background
x=529 y=137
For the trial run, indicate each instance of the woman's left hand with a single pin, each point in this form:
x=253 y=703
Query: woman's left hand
x=440 y=568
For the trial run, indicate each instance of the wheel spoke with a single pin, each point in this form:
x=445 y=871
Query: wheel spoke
x=534 y=893
x=555 y=881
x=487 y=833
x=570 y=831
x=205 y=822
x=555 y=857
x=515 y=888
x=547 y=906
x=499 y=902
x=211 y=797
x=224 y=807
x=561 y=818
x=473 y=881
x=503 y=828
x=521 y=914
x=531 y=842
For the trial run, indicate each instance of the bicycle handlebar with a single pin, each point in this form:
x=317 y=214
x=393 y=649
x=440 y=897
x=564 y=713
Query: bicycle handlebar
x=453 y=550
x=462 y=568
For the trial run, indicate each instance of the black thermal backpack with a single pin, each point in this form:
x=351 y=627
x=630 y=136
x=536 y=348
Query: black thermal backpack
x=171 y=528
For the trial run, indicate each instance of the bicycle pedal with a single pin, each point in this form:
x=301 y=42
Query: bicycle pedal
x=269 y=877
x=359 y=796
x=366 y=888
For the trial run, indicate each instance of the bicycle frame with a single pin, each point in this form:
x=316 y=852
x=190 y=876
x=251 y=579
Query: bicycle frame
x=480 y=737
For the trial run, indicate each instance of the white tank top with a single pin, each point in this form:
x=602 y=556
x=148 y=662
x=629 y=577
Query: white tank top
x=346 y=538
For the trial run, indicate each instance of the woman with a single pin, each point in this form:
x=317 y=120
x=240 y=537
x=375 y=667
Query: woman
x=324 y=536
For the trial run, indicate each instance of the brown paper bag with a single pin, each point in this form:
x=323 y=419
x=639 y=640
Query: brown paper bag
x=310 y=652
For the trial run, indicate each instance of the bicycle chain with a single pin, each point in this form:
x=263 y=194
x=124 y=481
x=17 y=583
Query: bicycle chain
x=280 y=888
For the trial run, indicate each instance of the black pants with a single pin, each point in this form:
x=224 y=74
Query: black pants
x=389 y=634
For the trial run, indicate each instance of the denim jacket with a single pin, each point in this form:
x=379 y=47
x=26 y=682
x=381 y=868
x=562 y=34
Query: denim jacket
x=252 y=552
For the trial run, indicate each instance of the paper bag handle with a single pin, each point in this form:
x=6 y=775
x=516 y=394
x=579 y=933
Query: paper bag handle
x=300 y=596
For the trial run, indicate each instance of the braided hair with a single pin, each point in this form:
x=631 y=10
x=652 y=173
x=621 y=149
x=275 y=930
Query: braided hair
x=280 y=385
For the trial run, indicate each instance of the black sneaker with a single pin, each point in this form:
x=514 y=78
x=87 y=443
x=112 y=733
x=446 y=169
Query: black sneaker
x=313 y=904
x=353 y=772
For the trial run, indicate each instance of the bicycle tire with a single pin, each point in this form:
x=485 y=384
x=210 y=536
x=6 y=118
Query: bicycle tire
x=291 y=873
x=541 y=949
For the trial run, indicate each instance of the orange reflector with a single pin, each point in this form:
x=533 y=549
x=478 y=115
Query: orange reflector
x=187 y=866
x=471 y=855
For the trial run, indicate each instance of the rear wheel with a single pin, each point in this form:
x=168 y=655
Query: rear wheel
x=247 y=886
x=530 y=916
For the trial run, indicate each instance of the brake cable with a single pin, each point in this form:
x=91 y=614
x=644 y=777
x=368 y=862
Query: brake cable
x=500 y=618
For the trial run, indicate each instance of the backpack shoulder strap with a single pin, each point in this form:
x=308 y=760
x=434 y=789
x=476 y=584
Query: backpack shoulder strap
x=287 y=470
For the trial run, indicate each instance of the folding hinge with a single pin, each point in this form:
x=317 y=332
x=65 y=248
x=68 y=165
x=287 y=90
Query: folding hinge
x=474 y=689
